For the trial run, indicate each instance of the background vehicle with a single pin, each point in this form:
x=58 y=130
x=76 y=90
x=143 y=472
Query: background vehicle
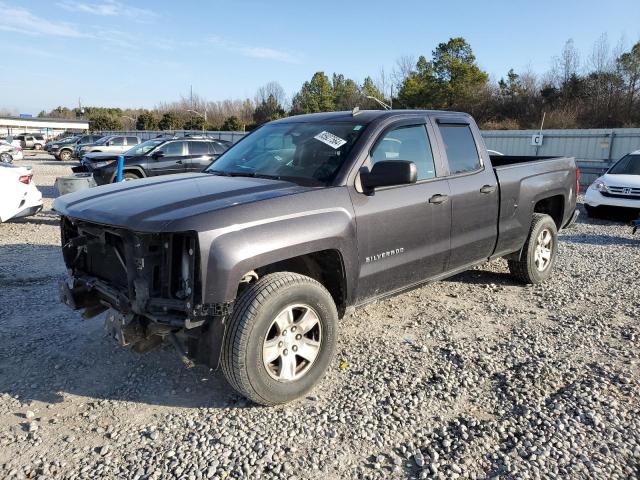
x=35 y=140
x=110 y=144
x=19 y=196
x=618 y=188
x=253 y=261
x=159 y=156
x=9 y=152
x=63 y=149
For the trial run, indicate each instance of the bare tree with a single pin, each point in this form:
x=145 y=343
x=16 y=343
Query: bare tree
x=271 y=89
x=567 y=64
x=405 y=65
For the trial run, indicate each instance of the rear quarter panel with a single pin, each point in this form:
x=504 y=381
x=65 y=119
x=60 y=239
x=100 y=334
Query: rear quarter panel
x=522 y=186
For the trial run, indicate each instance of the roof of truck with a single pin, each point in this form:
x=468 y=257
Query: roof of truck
x=362 y=116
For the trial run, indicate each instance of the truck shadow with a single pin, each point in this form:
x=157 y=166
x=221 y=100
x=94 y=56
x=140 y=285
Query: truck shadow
x=592 y=239
x=50 y=354
x=479 y=276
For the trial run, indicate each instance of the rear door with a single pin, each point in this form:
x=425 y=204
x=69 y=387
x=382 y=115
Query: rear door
x=473 y=192
x=200 y=155
x=168 y=158
x=403 y=234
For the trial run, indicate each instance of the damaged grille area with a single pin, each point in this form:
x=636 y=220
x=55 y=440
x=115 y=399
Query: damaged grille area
x=148 y=274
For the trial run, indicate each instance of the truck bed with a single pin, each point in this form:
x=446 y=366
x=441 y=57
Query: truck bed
x=523 y=181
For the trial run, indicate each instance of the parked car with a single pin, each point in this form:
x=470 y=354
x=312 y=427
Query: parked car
x=253 y=261
x=63 y=149
x=9 y=152
x=618 y=188
x=13 y=141
x=19 y=197
x=32 y=140
x=110 y=144
x=159 y=156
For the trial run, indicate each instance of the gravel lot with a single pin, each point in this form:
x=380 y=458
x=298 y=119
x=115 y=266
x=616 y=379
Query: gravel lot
x=473 y=377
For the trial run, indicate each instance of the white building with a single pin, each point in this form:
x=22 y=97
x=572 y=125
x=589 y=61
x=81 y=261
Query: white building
x=51 y=127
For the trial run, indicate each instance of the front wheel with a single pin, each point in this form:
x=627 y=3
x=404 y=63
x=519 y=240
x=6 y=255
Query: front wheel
x=539 y=252
x=280 y=338
x=64 y=155
x=6 y=158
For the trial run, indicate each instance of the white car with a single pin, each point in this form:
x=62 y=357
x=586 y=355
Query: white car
x=19 y=197
x=619 y=187
x=9 y=152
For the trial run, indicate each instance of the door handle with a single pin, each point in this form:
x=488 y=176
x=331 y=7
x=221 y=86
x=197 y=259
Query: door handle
x=179 y=162
x=488 y=189
x=438 y=198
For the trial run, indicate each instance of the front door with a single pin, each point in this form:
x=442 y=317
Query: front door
x=403 y=231
x=169 y=158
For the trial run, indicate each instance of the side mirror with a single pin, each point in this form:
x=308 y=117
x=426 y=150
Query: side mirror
x=390 y=172
x=158 y=154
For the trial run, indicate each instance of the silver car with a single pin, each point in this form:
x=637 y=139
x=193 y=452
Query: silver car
x=110 y=144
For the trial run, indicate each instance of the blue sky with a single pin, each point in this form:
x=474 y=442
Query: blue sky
x=138 y=53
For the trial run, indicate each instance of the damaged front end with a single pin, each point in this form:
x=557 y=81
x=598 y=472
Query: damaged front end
x=149 y=284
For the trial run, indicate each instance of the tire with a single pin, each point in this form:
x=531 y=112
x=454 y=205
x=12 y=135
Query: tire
x=527 y=270
x=37 y=146
x=260 y=323
x=6 y=158
x=128 y=176
x=64 y=155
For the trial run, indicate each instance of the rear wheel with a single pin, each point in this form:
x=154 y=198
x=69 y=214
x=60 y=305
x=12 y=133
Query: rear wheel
x=539 y=252
x=6 y=157
x=64 y=155
x=280 y=338
x=37 y=146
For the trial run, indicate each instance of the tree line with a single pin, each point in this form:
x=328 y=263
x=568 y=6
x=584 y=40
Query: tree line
x=599 y=91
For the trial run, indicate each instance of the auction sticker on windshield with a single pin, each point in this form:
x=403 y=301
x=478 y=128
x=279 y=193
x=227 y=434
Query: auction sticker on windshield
x=330 y=139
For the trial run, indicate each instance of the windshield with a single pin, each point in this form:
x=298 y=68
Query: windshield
x=309 y=153
x=144 y=147
x=627 y=165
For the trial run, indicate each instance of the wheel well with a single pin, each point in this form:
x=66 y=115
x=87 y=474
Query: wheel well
x=552 y=206
x=325 y=266
x=135 y=171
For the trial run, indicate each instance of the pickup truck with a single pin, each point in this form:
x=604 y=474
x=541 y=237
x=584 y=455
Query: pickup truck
x=251 y=263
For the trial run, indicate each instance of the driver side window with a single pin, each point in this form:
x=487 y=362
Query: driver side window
x=407 y=143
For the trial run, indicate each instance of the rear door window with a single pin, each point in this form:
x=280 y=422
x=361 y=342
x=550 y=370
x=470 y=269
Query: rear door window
x=117 y=141
x=132 y=140
x=460 y=146
x=198 y=148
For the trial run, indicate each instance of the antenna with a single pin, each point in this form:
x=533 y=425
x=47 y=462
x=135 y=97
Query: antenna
x=384 y=105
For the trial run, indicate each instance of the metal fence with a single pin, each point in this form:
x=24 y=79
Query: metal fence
x=595 y=150
x=149 y=134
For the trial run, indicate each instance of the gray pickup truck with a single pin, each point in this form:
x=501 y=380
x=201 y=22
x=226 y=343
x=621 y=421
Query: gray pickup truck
x=252 y=262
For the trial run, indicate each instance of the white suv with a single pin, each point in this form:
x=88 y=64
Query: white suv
x=111 y=144
x=618 y=187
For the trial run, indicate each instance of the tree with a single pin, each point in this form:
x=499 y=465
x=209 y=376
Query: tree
x=147 y=121
x=271 y=89
x=369 y=89
x=232 y=124
x=170 y=121
x=458 y=76
x=346 y=93
x=315 y=95
x=194 y=123
x=104 y=121
x=267 y=110
x=629 y=64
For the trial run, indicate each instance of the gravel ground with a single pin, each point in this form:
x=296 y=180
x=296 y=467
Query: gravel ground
x=473 y=377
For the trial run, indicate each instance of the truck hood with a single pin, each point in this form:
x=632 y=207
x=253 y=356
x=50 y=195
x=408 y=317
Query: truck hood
x=160 y=204
x=632 y=181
